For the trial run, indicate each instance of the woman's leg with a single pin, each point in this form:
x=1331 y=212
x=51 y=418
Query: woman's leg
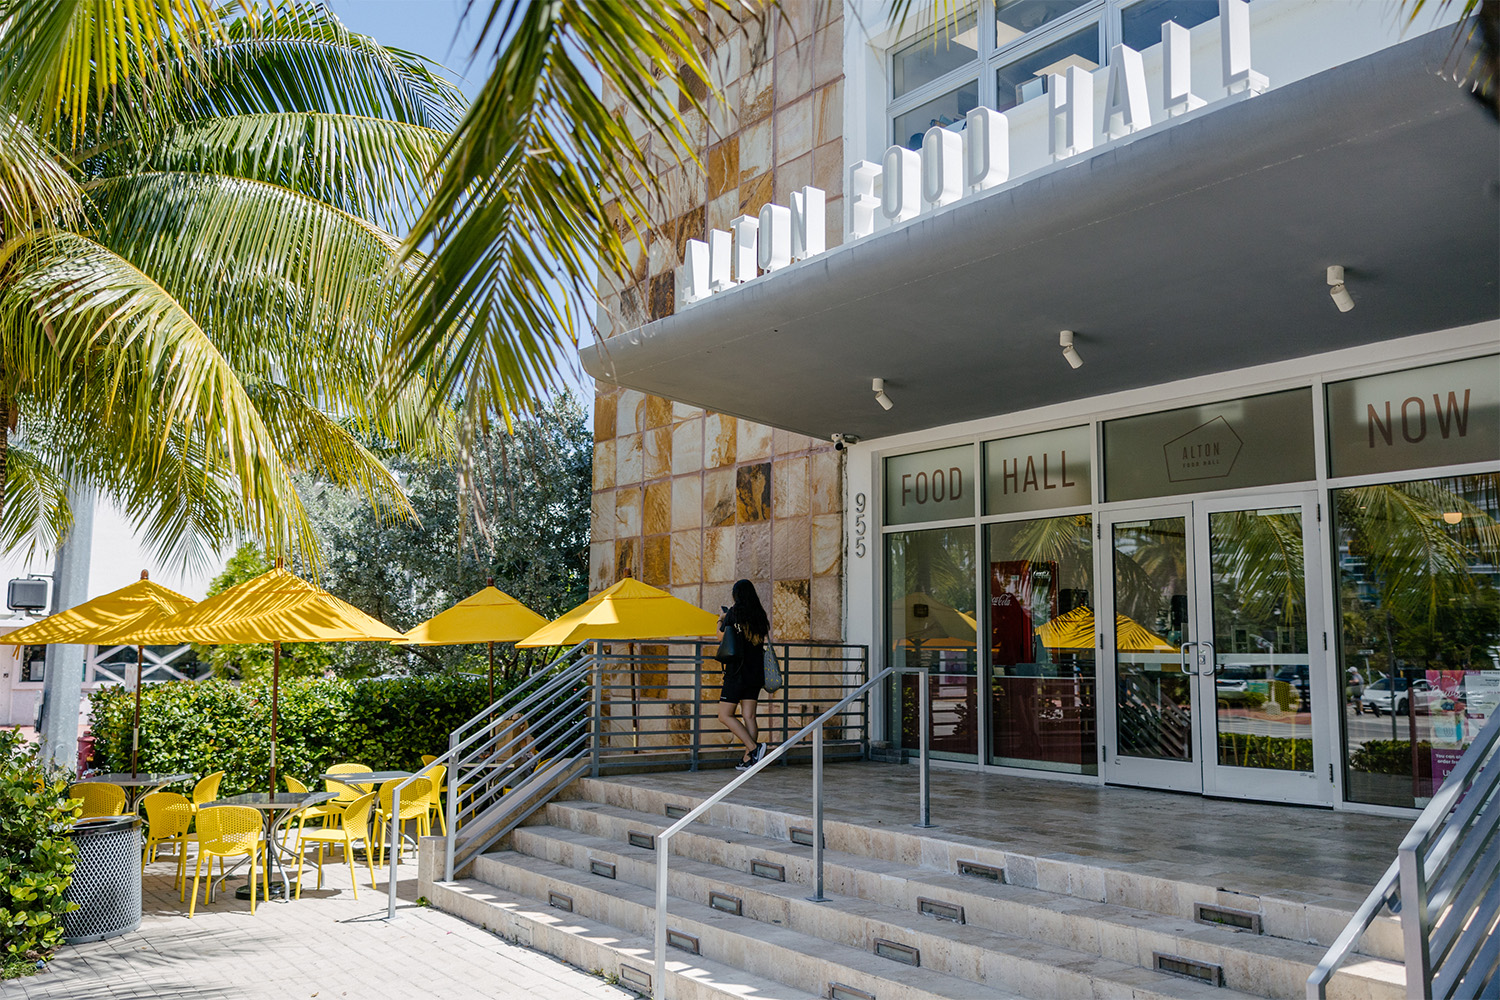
x=737 y=728
x=747 y=712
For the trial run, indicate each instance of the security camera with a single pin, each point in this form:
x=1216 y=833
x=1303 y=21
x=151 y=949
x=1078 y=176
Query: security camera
x=840 y=441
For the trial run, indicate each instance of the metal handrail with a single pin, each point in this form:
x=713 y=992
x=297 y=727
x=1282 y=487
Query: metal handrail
x=1445 y=870
x=663 y=839
x=449 y=761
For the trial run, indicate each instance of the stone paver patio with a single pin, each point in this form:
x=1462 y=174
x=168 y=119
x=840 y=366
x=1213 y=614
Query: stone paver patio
x=326 y=945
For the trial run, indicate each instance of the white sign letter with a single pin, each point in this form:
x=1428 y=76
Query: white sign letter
x=942 y=167
x=718 y=260
x=775 y=237
x=692 y=276
x=863 y=176
x=1234 y=37
x=1125 y=96
x=986 y=149
x=1072 y=101
x=744 y=228
x=900 y=184
x=1177 y=70
x=809 y=223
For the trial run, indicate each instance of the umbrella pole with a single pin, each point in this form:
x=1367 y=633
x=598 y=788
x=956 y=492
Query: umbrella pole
x=275 y=706
x=492 y=674
x=135 y=726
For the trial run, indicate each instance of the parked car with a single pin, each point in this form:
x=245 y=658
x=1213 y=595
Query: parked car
x=1235 y=679
x=1378 y=697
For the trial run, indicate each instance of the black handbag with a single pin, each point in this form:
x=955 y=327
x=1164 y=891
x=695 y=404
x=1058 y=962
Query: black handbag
x=730 y=645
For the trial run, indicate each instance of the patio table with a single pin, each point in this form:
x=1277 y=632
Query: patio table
x=366 y=781
x=276 y=806
x=138 y=786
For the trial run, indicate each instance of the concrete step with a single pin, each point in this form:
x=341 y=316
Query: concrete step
x=1149 y=886
x=1253 y=963
x=595 y=946
x=966 y=951
x=799 y=961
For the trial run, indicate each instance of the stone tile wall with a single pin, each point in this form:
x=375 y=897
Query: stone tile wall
x=692 y=500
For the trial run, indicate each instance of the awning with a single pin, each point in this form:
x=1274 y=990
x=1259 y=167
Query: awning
x=1195 y=248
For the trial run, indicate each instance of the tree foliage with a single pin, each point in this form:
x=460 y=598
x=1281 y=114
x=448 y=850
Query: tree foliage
x=36 y=855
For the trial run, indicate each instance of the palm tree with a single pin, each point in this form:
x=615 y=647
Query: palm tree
x=200 y=262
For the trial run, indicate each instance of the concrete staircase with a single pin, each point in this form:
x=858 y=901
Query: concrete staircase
x=911 y=915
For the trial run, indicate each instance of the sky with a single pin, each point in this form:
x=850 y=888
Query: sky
x=437 y=29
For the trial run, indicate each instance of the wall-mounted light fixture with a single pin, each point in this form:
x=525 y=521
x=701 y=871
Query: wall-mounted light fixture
x=1338 y=290
x=1065 y=341
x=1452 y=516
x=877 y=386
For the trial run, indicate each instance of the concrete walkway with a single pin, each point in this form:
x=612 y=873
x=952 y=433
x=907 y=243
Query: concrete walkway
x=326 y=945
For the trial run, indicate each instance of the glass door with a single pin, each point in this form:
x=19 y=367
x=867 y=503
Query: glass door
x=1216 y=678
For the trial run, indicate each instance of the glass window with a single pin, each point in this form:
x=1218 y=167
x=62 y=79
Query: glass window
x=930 y=485
x=1140 y=23
x=1419 y=629
x=952 y=45
x=948 y=111
x=930 y=623
x=1016 y=18
x=1038 y=471
x=1041 y=635
x=1021 y=80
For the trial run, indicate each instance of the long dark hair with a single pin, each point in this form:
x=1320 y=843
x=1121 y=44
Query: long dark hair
x=748 y=613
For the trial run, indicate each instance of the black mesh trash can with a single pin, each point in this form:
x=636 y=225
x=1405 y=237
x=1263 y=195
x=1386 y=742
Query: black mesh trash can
x=106 y=879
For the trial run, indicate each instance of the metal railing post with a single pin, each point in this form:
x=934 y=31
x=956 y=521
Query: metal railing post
x=598 y=722
x=924 y=738
x=1415 y=919
x=817 y=776
x=786 y=701
x=659 y=980
x=697 y=708
x=450 y=832
x=393 y=849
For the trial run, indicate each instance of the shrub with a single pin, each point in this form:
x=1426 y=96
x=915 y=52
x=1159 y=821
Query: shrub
x=1388 y=756
x=36 y=856
x=1278 y=753
x=217 y=725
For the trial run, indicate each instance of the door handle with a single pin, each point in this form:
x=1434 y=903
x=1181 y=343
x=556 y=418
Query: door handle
x=1213 y=666
x=1183 y=652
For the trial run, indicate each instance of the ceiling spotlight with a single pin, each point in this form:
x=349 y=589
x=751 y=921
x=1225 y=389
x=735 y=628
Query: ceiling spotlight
x=1341 y=296
x=877 y=386
x=1065 y=341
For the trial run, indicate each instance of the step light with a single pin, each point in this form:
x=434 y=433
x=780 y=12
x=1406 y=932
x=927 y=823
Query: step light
x=896 y=952
x=642 y=840
x=686 y=942
x=941 y=910
x=635 y=977
x=838 y=991
x=1176 y=965
x=557 y=899
x=976 y=870
x=604 y=869
x=1224 y=916
x=676 y=812
x=727 y=903
x=802 y=835
x=766 y=869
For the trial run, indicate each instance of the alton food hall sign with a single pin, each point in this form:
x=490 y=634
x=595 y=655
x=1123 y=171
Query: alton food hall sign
x=955 y=165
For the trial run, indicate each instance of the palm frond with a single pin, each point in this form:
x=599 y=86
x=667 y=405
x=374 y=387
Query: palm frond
x=34 y=187
x=102 y=344
x=36 y=515
x=518 y=221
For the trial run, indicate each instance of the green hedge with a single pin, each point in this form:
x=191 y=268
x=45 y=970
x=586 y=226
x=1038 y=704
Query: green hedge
x=387 y=723
x=36 y=856
x=1277 y=753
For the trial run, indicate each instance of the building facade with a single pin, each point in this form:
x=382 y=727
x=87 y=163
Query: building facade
x=1143 y=384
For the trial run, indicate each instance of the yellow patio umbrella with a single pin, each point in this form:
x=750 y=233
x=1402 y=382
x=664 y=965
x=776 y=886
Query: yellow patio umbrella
x=489 y=616
x=1075 y=630
x=110 y=619
x=931 y=624
x=275 y=607
x=627 y=612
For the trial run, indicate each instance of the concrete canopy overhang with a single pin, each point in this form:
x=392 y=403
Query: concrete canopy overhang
x=1186 y=250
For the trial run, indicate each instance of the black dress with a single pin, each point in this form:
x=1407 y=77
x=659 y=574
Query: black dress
x=744 y=676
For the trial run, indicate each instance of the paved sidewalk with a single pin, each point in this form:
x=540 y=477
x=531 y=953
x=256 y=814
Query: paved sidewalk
x=326 y=945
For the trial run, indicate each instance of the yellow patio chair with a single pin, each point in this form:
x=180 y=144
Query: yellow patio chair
x=100 y=798
x=168 y=816
x=227 y=832
x=352 y=768
x=207 y=789
x=319 y=812
x=435 y=774
x=414 y=805
x=428 y=758
x=356 y=822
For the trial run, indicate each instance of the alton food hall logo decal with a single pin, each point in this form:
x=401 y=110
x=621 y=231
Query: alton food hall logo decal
x=1208 y=451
